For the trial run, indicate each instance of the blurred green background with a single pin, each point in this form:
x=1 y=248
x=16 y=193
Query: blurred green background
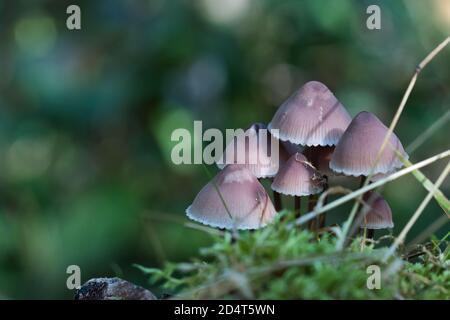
x=86 y=116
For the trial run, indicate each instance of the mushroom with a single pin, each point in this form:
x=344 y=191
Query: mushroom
x=298 y=178
x=356 y=152
x=233 y=199
x=312 y=116
x=320 y=158
x=378 y=214
x=256 y=156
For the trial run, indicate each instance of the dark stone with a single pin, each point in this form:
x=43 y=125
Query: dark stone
x=112 y=289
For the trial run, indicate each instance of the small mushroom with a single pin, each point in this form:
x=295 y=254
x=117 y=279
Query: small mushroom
x=320 y=158
x=242 y=203
x=356 y=152
x=378 y=214
x=256 y=154
x=312 y=116
x=298 y=178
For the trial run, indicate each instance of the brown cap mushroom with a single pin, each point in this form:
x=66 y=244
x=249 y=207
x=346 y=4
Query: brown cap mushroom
x=356 y=152
x=298 y=178
x=312 y=116
x=245 y=200
x=379 y=214
x=255 y=149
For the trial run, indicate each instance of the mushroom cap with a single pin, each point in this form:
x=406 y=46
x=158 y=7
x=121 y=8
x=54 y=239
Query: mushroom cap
x=312 y=116
x=257 y=156
x=356 y=152
x=246 y=200
x=320 y=158
x=298 y=178
x=379 y=215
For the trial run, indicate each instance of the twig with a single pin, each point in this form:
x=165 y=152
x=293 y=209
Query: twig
x=440 y=198
x=394 y=122
x=418 y=141
x=436 y=225
x=417 y=214
x=312 y=214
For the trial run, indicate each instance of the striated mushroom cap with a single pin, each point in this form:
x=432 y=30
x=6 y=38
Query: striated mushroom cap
x=298 y=178
x=246 y=200
x=357 y=150
x=253 y=149
x=312 y=116
x=379 y=215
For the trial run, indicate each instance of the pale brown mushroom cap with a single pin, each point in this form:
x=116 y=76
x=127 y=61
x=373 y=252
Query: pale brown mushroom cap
x=312 y=116
x=257 y=157
x=298 y=178
x=379 y=215
x=246 y=200
x=320 y=158
x=356 y=152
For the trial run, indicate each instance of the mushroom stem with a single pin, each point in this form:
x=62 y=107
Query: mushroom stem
x=277 y=201
x=361 y=185
x=322 y=217
x=311 y=204
x=368 y=233
x=363 y=180
x=297 y=206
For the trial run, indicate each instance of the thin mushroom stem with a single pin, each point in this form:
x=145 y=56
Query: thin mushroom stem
x=363 y=181
x=359 y=209
x=367 y=236
x=362 y=184
x=312 y=200
x=277 y=201
x=297 y=206
x=322 y=217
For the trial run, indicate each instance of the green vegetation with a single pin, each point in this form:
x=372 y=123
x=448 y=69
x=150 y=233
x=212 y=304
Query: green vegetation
x=279 y=262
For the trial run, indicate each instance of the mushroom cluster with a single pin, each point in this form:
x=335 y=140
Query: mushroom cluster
x=317 y=139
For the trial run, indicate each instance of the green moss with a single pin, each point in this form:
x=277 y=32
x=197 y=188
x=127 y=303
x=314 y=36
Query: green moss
x=278 y=262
